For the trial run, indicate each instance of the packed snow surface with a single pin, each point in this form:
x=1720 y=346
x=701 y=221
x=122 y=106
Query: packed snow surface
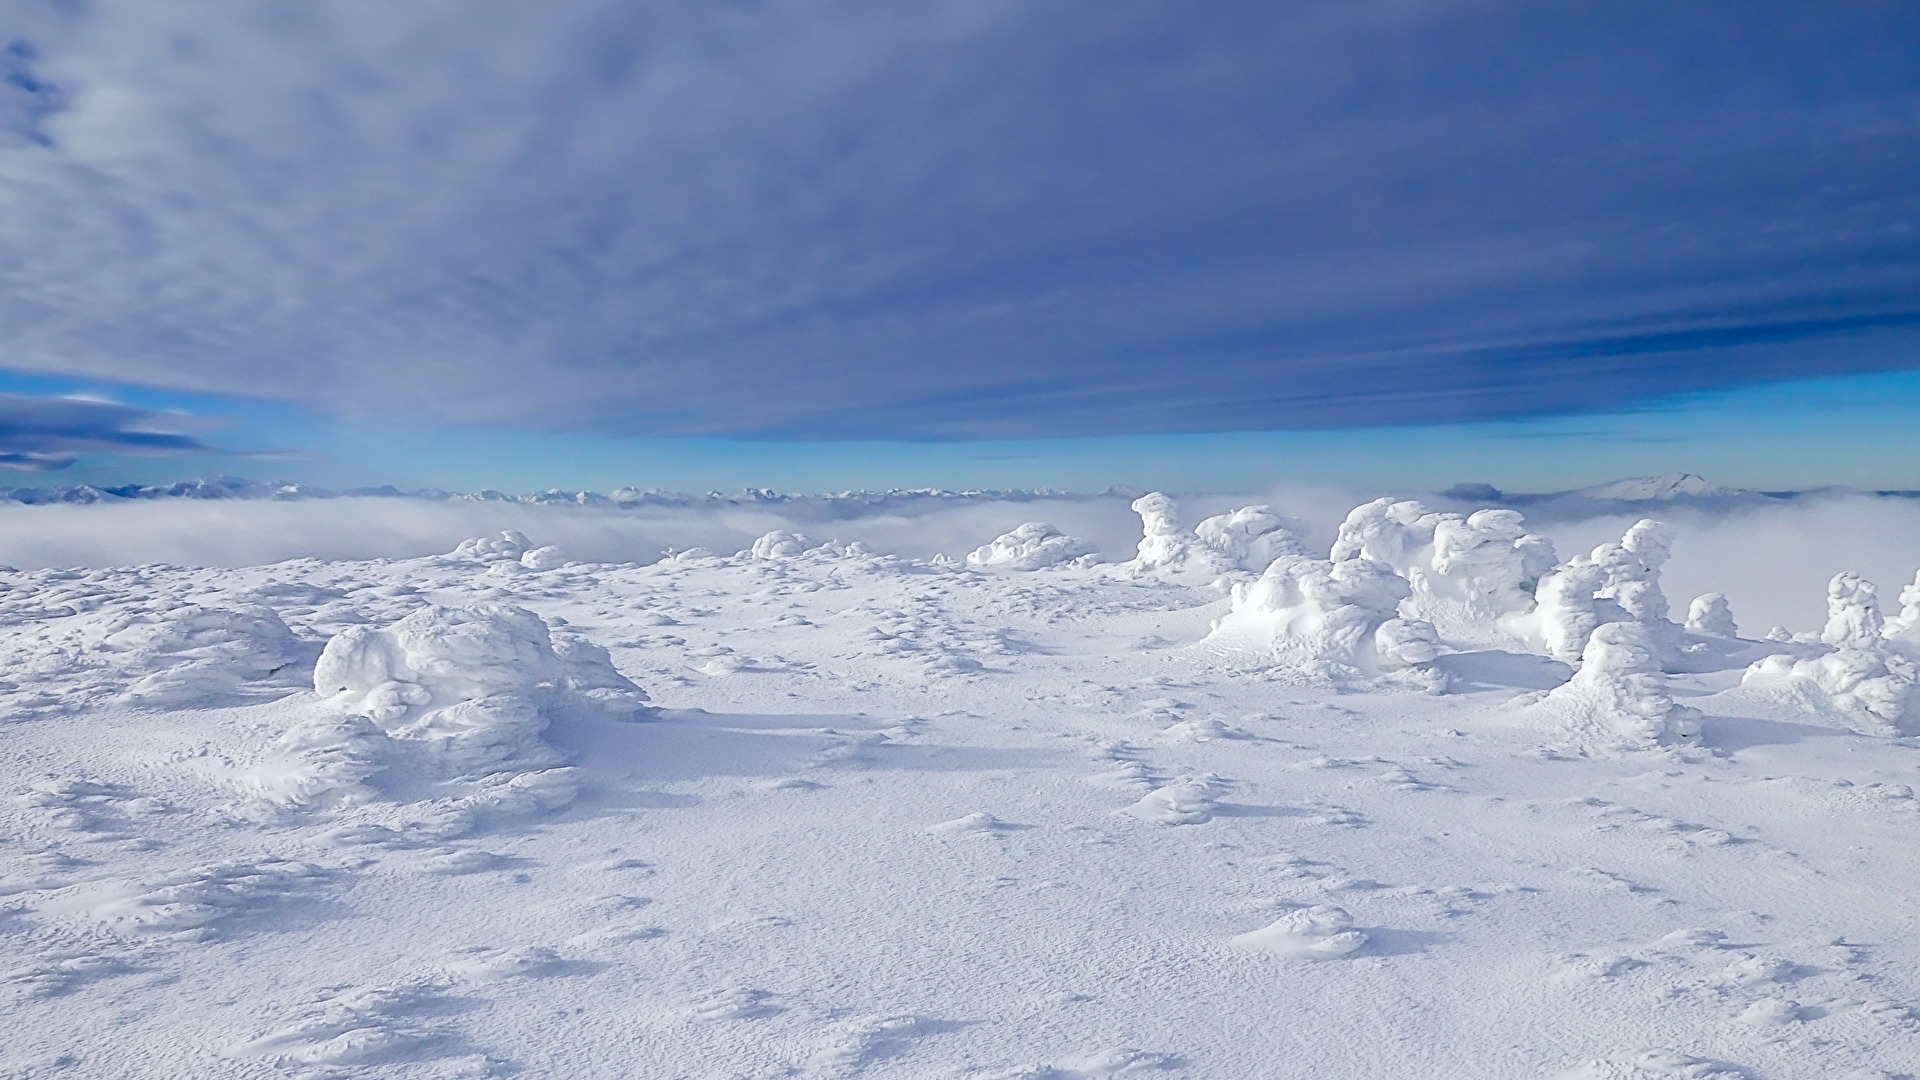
x=1423 y=801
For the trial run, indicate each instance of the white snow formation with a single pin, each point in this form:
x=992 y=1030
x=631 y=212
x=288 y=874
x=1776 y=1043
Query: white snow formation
x=1240 y=541
x=510 y=544
x=474 y=684
x=1618 y=699
x=1464 y=572
x=549 y=557
x=1867 y=678
x=1711 y=614
x=1035 y=545
x=779 y=545
x=1616 y=582
x=389 y=818
x=1304 y=611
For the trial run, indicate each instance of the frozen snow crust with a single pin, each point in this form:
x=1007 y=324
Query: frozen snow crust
x=891 y=817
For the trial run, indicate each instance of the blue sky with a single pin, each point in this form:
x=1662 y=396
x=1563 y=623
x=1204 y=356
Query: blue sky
x=847 y=244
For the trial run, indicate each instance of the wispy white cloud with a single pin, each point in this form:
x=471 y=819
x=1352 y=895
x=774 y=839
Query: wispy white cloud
x=959 y=218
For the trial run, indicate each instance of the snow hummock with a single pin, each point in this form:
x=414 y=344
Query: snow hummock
x=779 y=545
x=1246 y=540
x=549 y=557
x=1465 y=572
x=475 y=684
x=1866 y=679
x=1315 y=612
x=1320 y=932
x=1618 y=700
x=509 y=544
x=1249 y=538
x=1711 y=614
x=1035 y=545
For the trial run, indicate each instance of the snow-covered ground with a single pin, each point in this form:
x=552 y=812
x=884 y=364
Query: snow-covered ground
x=1425 y=799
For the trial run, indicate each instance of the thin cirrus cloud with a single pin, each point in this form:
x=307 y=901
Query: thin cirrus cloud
x=960 y=219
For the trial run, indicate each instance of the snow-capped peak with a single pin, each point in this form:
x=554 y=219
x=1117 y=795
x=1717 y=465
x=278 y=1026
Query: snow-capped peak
x=1664 y=486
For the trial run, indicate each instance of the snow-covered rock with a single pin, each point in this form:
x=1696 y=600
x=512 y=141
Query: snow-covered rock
x=1035 y=545
x=185 y=654
x=1617 y=700
x=1320 y=932
x=1465 y=572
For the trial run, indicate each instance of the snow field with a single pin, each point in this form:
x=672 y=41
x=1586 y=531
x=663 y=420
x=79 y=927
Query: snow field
x=882 y=817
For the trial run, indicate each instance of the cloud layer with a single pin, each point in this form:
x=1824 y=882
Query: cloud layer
x=1773 y=560
x=964 y=218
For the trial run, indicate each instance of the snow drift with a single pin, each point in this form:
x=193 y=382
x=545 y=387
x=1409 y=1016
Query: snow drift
x=1035 y=545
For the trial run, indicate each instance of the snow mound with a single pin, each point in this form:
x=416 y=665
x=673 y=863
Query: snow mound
x=1315 y=611
x=1321 y=932
x=510 y=544
x=475 y=684
x=1618 y=699
x=1868 y=690
x=189 y=653
x=1184 y=802
x=1245 y=540
x=1867 y=680
x=1903 y=630
x=1249 y=538
x=1711 y=614
x=779 y=545
x=1616 y=582
x=1035 y=545
x=1465 y=572
x=549 y=557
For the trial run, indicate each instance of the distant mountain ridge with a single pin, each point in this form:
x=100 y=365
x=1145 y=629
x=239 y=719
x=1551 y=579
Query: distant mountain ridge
x=232 y=487
x=1666 y=489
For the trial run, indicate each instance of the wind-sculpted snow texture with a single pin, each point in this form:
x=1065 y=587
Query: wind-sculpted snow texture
x=1327 y=618
x=1866 y=677
x=1241 y=541
x=1035 y=545
x=1464 y=572
x=1616 y=582
x=887 y=817
x=1618 y=699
